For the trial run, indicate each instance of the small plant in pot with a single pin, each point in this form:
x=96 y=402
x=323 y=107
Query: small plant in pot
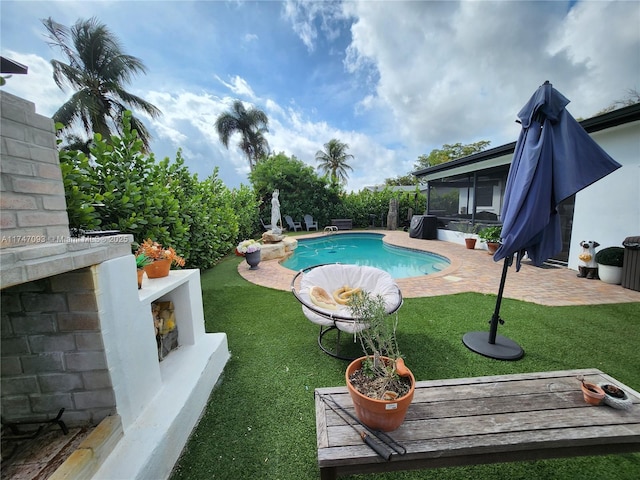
x=142 y=261
x=610 y=262
x=491 y=236
x=591 y=392
x=380 y=385
x=468 y=230
x=615 y=397
x=250 y=250
x=162 y=258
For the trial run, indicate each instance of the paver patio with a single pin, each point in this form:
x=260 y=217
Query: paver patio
x=472 y=271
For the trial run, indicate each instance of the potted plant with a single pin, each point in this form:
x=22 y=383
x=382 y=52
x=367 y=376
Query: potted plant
x=380 y=385
x=468 y=230
x=141 y=261
x=616 y=397
x=591 y=392
x=162 y=258
x=491 y=236
x=610 y=262
x=250 y=250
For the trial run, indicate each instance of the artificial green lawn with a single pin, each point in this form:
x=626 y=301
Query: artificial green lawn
x=260 y=420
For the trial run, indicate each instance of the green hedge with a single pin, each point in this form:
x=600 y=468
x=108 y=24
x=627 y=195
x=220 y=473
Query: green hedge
x=121 y=187
x=158 y=200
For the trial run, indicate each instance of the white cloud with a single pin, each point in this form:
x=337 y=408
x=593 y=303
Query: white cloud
x=188 y=120
x=294 y=134
x=239 y=86
x=603 y=36
x=304 y=15
x=451 y=72
x=37 y=85
x=250 y=37
x=416 y=74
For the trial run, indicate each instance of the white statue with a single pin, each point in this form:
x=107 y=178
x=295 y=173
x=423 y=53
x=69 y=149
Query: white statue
x=275 y=213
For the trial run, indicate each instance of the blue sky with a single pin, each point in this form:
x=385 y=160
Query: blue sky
x=393 y=79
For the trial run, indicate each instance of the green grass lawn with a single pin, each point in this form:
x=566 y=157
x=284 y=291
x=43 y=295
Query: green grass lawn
x=260 y=419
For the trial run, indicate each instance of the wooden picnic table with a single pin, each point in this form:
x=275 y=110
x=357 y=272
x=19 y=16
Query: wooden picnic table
x=468 y=421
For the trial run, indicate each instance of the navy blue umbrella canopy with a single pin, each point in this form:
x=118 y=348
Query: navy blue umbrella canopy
x=554 y=158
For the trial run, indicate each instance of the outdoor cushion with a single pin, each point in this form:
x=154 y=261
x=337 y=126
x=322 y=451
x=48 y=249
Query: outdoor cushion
x=335 y=276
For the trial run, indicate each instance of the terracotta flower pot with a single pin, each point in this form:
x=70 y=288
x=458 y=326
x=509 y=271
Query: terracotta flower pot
x=592 y=393
x=140 y=275
x=385 y=415
x=158 y=269
x=470 y=243
x=492 y=247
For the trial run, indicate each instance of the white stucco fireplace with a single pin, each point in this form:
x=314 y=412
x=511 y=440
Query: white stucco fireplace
x=76 y=331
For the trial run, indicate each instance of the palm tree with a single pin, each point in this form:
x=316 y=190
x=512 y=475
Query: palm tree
x=250 y=124
x=333 y=160
x=256 y=145
x=97 y=70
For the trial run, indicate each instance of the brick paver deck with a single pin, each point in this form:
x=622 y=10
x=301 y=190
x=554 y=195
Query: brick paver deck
x=473 y=271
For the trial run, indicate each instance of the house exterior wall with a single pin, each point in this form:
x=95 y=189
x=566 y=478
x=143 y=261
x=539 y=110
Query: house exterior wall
x=608 y=211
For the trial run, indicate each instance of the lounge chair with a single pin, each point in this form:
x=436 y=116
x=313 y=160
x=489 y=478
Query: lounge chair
x=266 y=226
x=292 y=225
x=331 y=277
x=309 y=223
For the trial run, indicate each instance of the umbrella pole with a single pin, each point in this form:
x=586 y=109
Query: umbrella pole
x=491 y=344
x=493 y=330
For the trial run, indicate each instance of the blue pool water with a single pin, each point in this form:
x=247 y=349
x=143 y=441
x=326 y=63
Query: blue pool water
x=364 y=249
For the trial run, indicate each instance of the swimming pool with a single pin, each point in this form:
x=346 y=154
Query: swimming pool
x=364 y=249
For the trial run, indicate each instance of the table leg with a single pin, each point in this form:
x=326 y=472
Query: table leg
x=328 y=473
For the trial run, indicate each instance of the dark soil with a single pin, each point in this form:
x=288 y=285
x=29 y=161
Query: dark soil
x=376 y=387
x=613 y=391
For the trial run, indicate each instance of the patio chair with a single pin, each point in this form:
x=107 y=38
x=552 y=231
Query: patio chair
x=266 y=226
x=331 y=277
x=309 y=223
x=292 y=225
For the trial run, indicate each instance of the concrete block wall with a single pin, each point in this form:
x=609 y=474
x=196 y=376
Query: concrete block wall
x=52 y=351
x=32 y=203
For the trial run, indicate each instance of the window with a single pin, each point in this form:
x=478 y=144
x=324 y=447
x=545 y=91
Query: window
x=485 y=196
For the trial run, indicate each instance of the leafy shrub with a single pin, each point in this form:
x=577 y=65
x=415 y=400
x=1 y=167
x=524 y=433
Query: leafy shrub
x=206 y=208
x=79 y=191
x=302 y=191
x=149 y=199
x=366 y=205
x=491 y=234
x=245 y=206
x=612 y=256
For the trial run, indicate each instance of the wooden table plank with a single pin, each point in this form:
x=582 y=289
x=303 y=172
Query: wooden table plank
x=485 y=419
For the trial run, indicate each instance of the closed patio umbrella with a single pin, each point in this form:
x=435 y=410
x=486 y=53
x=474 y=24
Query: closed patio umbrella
x=554 y=158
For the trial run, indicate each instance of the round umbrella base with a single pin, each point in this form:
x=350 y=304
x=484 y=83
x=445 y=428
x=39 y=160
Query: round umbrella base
x=503 y=349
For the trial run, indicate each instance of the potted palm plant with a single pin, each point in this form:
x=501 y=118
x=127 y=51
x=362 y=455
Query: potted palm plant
x=380 y=385
x=491 y=236
x=610 y=261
